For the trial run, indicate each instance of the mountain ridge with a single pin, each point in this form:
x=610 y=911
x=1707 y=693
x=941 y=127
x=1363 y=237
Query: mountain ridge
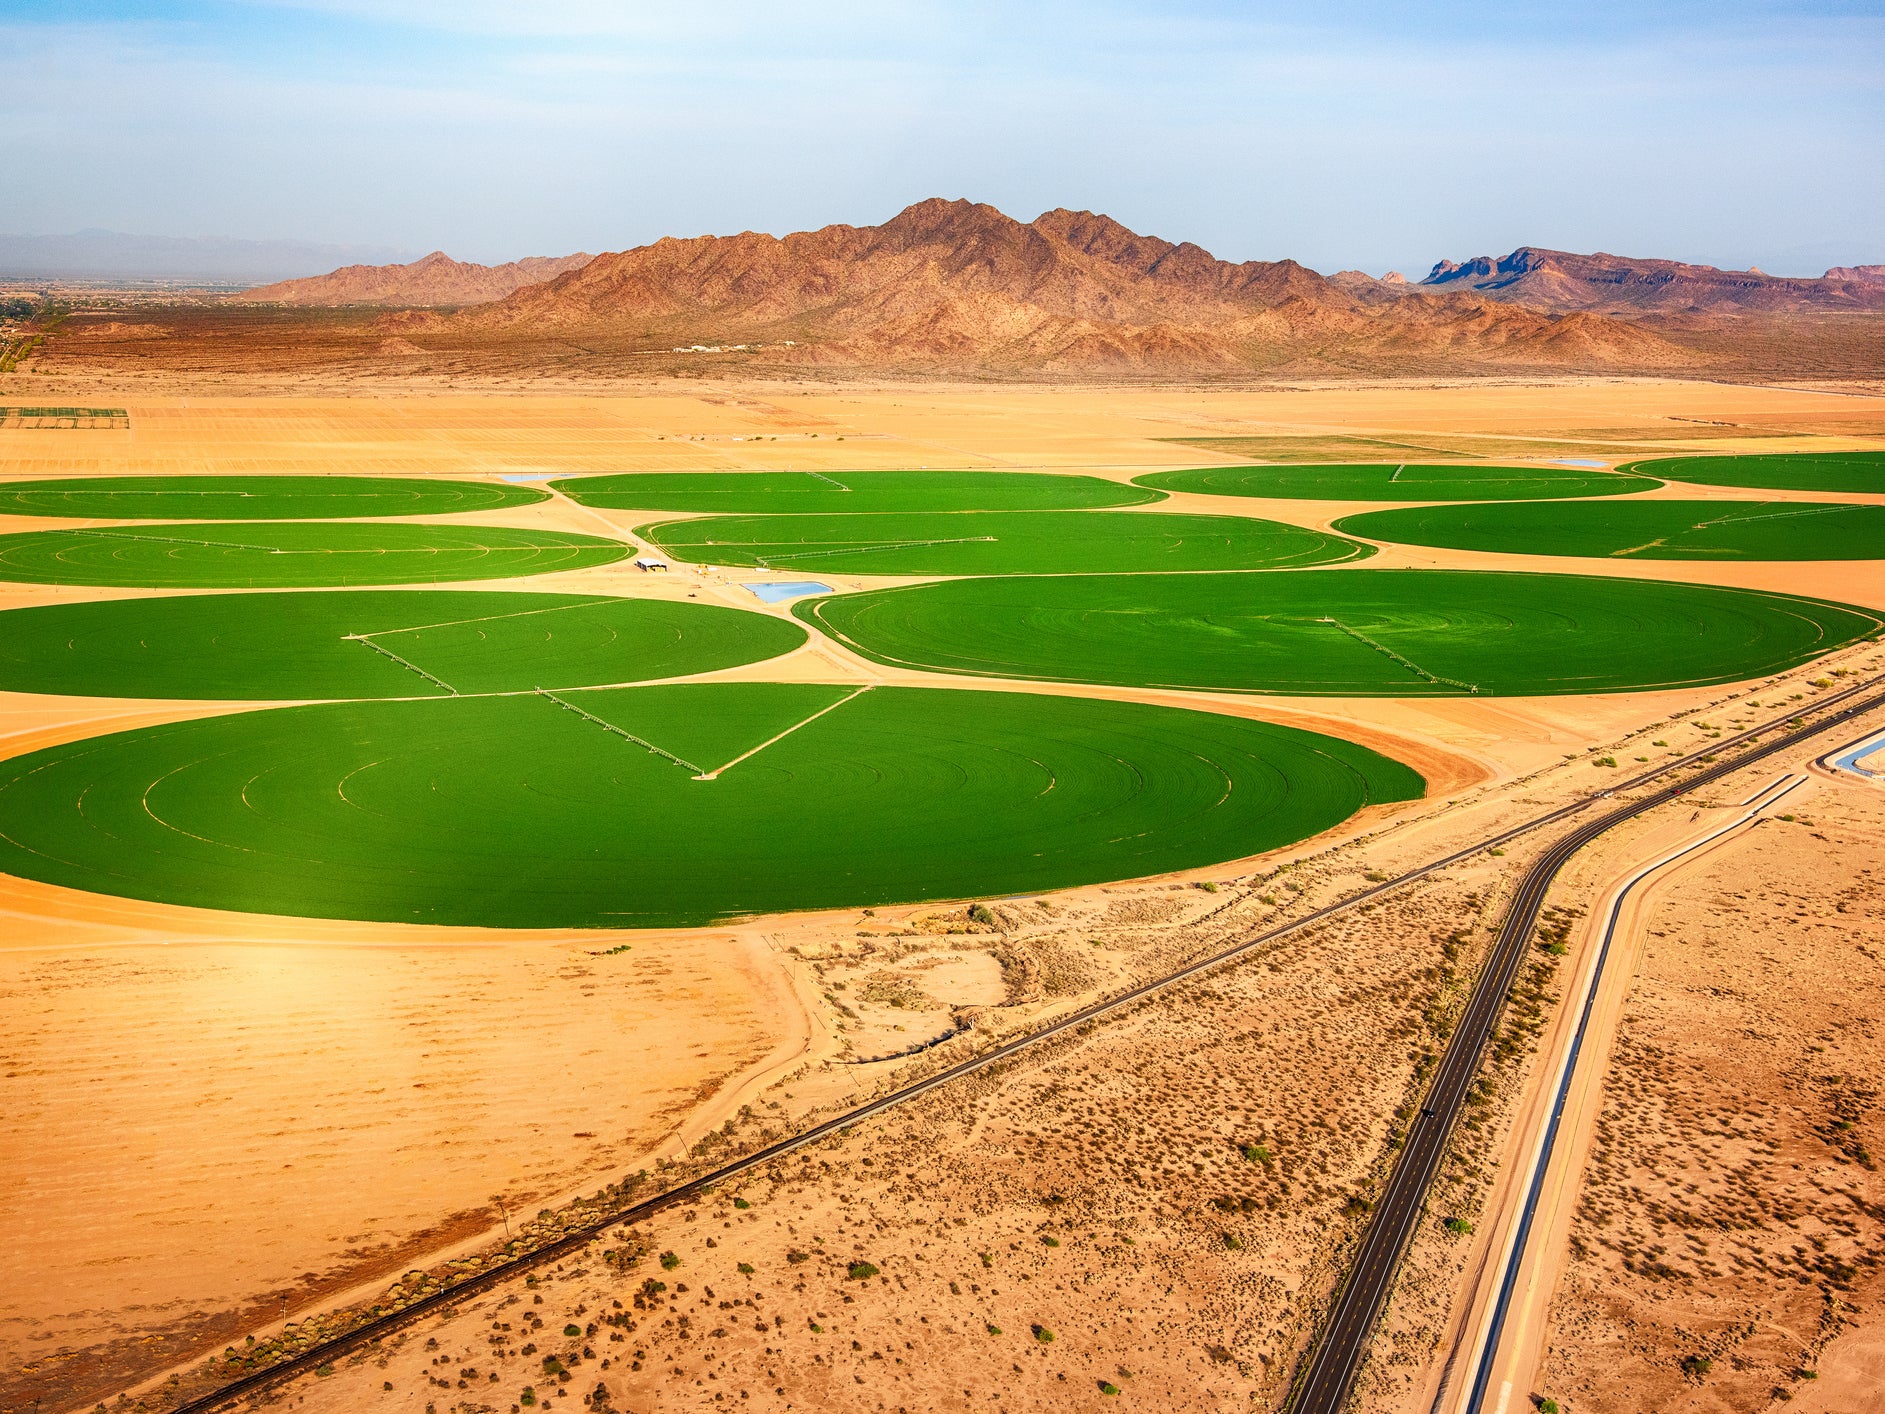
x=959 y=285
x=432 y=280
x=1563 y=281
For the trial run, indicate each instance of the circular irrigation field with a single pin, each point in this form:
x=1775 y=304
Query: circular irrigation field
x=1343 y=632
x=1407 y=482
x=288 y=554
x=367 y=643
x=1000 y=542
x=1775 y=471
x=850 y=492
x=531 y=811
x=254 y=497
x=1642 y=530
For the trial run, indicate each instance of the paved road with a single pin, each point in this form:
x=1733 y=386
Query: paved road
x=1330 y=1372
x=377 y=1329
x=1489 y=1353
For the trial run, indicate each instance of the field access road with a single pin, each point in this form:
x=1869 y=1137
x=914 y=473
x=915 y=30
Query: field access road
x=1508 y=1311
x=1358 y=1303
x=1330 y=1371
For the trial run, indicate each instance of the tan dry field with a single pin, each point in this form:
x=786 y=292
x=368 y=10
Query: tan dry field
x=150 y=1241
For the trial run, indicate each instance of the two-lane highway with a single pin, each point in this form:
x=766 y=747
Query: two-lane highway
x=1330 y=1371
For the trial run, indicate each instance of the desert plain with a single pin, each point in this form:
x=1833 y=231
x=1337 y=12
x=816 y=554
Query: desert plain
x=224 y=1127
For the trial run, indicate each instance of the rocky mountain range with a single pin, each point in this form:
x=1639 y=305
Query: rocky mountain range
x=956 y=285
x=1560 y=281
x=434 y=280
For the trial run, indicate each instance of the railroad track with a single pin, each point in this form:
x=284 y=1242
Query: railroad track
x=378 y=1328
x=1330 y=1372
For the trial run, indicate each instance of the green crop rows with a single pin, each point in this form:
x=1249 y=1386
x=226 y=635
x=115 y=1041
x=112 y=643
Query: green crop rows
x=999 y=542
x=253 y=497
x=283 y=554
x=1392 y=482
x=1776 y=471
x=850 y=492
x=514 y=811
x=1644 y=530
x=368 y=643
x=1348 y=632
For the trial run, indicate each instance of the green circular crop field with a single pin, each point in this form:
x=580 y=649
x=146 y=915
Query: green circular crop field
x=1343 y=632
x=1775 y=471
x=1000 y=542
x=1398 y=483
x=254 y=497
x=288 y=554
x=367 y=643
x=522 y=811
x=850 y=492
x=1642 y=530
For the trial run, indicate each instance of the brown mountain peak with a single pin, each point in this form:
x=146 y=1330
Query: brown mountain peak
x=957 y=284
x=433 y=279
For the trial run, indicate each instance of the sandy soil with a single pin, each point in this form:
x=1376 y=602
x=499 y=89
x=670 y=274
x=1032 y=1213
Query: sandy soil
x=193 y=1124
x=1732 y=1212
x=127 y=1022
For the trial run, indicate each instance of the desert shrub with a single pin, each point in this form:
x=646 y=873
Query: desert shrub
x=741 y=1204
x=746 y=1269
x=994 y=1330
x=1256 y=1153
x=1459 y=1227
x=1108 y=1387
x=1696 y=1366
x=1047 y=1241
x=861 y=1271
x=572 y=1331
x=669 y=1261
x=1043 y=1334
x=983 y=914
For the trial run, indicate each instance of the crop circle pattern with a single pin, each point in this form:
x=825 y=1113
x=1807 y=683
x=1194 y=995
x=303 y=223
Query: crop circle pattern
x=255 y=497
x=850 y=492
x=1397 y=482
x=1361 y=632
x=535 y=811
x=285 y=554
x=1000 y=542
x=372 y=643
x=1640 y=530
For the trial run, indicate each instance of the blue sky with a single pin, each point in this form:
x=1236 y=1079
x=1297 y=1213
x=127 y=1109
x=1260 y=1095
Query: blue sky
x=1344 y=133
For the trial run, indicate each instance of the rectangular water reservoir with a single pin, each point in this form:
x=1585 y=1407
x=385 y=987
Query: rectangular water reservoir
x=794 y=589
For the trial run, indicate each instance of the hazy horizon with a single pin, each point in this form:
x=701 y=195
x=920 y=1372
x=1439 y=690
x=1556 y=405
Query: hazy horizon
x=1366 y=135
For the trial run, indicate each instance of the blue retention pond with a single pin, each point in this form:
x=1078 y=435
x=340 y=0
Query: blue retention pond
x=796 y=589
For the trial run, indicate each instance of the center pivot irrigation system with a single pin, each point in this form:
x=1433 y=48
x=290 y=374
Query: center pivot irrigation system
x=1328 y=1373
